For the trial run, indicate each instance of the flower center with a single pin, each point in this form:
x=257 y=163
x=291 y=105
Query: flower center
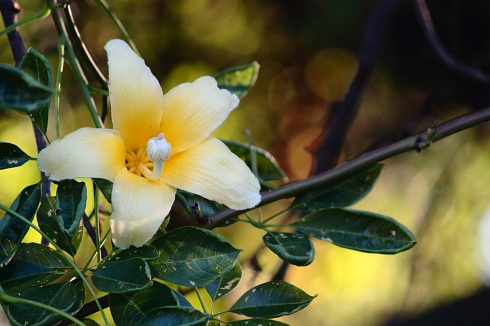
x=157 y=152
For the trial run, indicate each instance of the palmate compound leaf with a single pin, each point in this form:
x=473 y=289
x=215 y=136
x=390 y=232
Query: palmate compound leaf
x=66 y=296
x=357 y=230
x=294 y=248
x=271 y=299
x=32 y=265
x=129 y=309
x=122 y=276
x=225 y=283
x=192 y=257
x=12 y=229
x=238 y=80
x=12 y=156
x=35 y=64
x=22 y=92
x=341 y=194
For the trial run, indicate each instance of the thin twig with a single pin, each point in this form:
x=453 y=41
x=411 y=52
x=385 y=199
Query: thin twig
x=441 y=52
x=10 y=9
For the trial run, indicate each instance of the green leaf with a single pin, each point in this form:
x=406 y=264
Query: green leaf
x=238 y=80
x=13 y=230
x=71 y=198
x=124 y=276
x=225 y=283
x=144 y=252
x=12 y=156
x=196 y=206
x=267 y=167
x=181 y=300
x=35 y=64
x=130 y=308
x=293 y=248
x=89 y=322
x=342 y=194
x=192 y=257
x=48 y=222
x=255 y=322
x=170 y=316
x=357 y=230
x=105 y=186
x=62 y=296
x=32 y=265
x=270 y=300
x=22 y=92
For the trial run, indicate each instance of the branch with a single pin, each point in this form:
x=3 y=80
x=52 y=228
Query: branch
x=10 y=9
x=441 y=52
x=328 y=152
x=417 y=142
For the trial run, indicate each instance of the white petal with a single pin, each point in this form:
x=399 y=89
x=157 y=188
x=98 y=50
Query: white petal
x=139 y=208
x=84 y=153
x=192 y=111
x=212 y=171
x=135 y=94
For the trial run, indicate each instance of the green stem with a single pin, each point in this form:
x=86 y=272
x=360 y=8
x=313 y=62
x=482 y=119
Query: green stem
x=200 y=300
x=97 y=225
x=118 y=23
x=4 y=297
x=59 y=73
x=68 y=259
x=38 y=15
x=416 y=142
x=75 y=65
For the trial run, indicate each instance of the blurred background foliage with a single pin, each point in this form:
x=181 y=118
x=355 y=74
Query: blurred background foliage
x=308 y=52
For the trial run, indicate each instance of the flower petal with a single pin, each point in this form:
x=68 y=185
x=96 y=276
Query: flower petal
x=139 y=208
x=192 y=111
x=84 y=153
x=212 y=171
x=135 y=94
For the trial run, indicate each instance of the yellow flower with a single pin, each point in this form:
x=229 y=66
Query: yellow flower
x=159 y=143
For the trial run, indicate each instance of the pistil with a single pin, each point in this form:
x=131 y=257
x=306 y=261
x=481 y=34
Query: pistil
x=158 y=151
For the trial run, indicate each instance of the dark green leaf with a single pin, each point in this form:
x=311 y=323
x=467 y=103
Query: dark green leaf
x=267 y=167
x=196 y=206
x=12 y=156
x=192 y=257
x=22 y=92
x=13 y=230
x=270 y=300
x=144 y=252
x=105 y=186
x=170 y=316
x=71 y=198
x=124 y=276
x=342 y=194
x=62 y=296
x=35 y=64
x=49 y=224
x=357 y=230
x=32 y=265
x=225 y=284
x=130 y=308
x=238 y=80
x=293 y=248
x=255 y=322
x=90 y=322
